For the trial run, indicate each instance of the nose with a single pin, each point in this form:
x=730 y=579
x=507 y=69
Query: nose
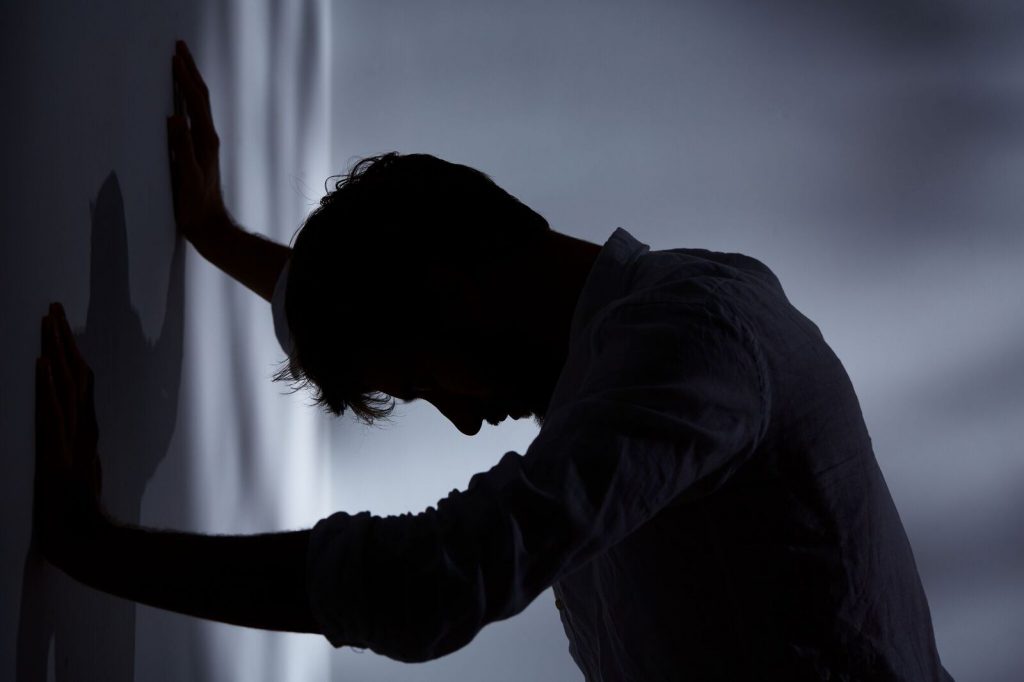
x=462 y=415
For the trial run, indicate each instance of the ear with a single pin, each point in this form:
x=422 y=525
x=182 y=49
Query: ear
x=461 y=289
x=457 y=296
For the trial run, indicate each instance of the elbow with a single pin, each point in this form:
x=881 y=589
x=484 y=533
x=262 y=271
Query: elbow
x=429 y=628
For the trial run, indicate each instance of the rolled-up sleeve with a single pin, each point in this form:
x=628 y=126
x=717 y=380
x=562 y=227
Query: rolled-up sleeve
x=673 y=394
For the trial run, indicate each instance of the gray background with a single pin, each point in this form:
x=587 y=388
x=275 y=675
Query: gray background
x=871 y=153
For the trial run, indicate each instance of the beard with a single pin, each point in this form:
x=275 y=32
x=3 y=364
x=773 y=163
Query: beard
x=528 y=374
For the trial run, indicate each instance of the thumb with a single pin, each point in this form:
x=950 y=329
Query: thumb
x=179 y=137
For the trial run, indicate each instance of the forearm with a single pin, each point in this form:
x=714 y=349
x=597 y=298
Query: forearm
x=249 y=258
x=251 y=580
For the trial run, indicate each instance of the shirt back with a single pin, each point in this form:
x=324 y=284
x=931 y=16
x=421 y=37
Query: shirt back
x=787 y=562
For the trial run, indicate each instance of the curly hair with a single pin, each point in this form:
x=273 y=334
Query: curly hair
x=365 y=248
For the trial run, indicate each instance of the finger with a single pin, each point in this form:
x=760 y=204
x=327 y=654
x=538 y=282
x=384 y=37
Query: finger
x=179 y=105
x=51 y=345
x=50 y=437
x=44 y=335
x=61 y=373
x=190 y=64
x=47 y=447
x=44 y=429
x=87 y=434
x=45 y=414
x=172 y=166
x=76 y=363
x=48 y=343
x=197 y=103
x=183 y=153
x=83 y=374
x=181 y=81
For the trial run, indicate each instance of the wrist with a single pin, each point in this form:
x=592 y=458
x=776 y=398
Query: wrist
x=82 y=548
x=215 y=236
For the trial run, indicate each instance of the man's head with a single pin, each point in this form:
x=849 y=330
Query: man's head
x=397 y=286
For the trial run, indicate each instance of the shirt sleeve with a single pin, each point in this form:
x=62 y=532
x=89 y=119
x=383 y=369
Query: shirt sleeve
x=674 y=397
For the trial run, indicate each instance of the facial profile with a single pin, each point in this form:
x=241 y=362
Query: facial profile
x=478 y=378
x=368 y=249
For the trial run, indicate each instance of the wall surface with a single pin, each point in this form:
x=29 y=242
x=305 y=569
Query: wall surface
x=870 y=153
x=194 y=436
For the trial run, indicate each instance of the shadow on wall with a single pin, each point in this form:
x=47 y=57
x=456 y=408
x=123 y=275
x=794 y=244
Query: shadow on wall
x=92 y=633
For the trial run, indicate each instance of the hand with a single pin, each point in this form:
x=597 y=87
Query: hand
x=68 y=512
x=194 y=148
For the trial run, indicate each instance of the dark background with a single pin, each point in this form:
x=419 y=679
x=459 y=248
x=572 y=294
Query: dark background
x=871 y=153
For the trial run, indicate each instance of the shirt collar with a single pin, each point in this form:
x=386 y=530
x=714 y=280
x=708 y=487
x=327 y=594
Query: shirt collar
x=609 y=278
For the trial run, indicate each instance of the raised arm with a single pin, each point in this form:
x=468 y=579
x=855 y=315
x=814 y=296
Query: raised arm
x=252 y=580
x=199 y=210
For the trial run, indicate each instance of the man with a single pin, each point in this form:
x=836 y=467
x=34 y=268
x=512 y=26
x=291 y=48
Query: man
x=702 y=494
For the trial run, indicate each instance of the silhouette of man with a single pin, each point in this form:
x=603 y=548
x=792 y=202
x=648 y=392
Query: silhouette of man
x=702 y=494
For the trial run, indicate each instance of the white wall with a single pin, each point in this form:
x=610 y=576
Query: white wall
x=870 y=153
x=193 y=434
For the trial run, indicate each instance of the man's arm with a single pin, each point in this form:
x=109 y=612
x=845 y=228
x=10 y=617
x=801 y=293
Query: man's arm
x=249 y=258
x=194 y=151
x=672 y=402
x=257 y=581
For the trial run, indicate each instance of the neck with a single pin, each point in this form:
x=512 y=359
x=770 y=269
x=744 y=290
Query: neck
x=562 y=277
x=536 y=313
x=543 y=293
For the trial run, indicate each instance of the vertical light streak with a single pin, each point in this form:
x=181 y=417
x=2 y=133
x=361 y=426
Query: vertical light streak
x=257 y=456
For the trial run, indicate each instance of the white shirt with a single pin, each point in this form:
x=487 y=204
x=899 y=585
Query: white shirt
x=702 y=497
